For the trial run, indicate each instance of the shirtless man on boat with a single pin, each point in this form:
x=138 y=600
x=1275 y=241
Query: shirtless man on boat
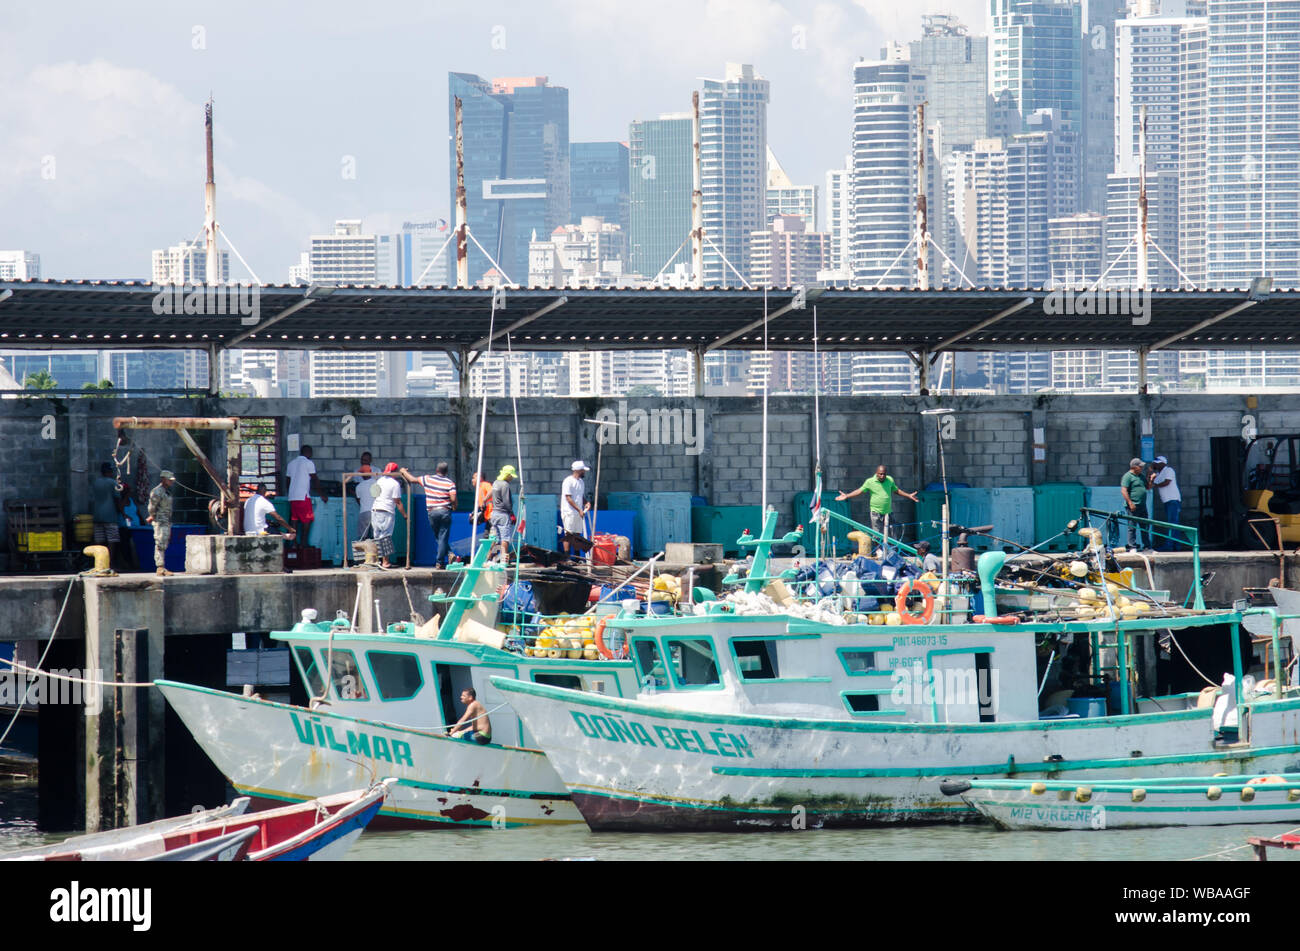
x=474 y=725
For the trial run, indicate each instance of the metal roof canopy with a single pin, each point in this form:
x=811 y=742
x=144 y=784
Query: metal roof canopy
x=122 y=315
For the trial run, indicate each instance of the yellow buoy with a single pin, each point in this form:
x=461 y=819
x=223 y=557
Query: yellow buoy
x=1083 y=794
x=1139 y=794
x=1248 y=794
x=1213 y=793
x=1038 y=789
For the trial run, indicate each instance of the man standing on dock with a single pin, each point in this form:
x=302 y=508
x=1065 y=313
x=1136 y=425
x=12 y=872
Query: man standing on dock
x=301 y=474
x=365 y=497
x=439 y=503
x=503 y=510
x=881 y=488
x=105 y=506
x=383 y=519
x=160 y=517
x=1165 y=481
x=573 y=504
x=1133 y=486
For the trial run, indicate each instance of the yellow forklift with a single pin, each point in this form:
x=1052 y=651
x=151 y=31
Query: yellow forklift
x=1253 y=501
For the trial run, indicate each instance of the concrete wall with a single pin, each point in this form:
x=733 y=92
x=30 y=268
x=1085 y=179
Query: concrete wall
x=1088 y=439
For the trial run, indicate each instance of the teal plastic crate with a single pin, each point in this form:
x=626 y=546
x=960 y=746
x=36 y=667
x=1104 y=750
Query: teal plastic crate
x=658 y=518
x=723 y=524
x=1011 y=510
x=541 y=522
x=1055 y=503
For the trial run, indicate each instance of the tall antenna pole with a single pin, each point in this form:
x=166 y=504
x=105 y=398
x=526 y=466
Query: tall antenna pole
x=1142 y=200
x=697 y=199
x=462 y=214
x=213 y=271
x=922 y=225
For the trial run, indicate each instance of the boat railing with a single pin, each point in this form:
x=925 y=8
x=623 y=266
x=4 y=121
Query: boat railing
x=1279 y=670
x=1191 y=532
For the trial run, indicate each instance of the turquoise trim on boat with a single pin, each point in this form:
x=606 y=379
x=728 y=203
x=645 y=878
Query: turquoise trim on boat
x=848 y=726
x=375 y=677
x=949 y=651
x=841 y=651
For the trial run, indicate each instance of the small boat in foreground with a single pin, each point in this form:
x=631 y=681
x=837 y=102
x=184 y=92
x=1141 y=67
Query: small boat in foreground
x=317 y=829
x=1020 y=804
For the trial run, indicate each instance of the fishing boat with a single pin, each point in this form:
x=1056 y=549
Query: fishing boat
x=1016 y=804
x=387 y=708
x=773 y=720
x=320 y=829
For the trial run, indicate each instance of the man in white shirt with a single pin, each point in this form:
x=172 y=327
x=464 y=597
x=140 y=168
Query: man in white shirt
x=573 y=504
x=388 y=499
x=365 y=497
x=1165 y=481
x=301 y=474
x=257 y=510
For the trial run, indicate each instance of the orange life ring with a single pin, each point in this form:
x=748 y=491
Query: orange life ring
x=900 y=602
x=601 y=649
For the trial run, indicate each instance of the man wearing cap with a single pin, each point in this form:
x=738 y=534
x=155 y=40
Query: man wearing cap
x=365 y=497
x=439 y=503
x=160 y=517
x=573 y=504
x=388 y=500
x=1165 y=481
x=503 y=510
x=258 y=509
x=1134 y=489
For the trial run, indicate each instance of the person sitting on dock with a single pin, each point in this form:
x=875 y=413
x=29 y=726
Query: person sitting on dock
x=474 y=725
x=881 y=488
x=258 y=509
x=929 y=561
x=160 y=517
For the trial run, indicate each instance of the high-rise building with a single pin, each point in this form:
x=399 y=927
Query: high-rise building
x=346 y=256
x=1193 y=61
x=600 y=187
x=1100 y=88
x=516 y=133
x=839 y=221
x=661 y=176
x=20 y=266
x=589 y=254
x=786 y=254
x=406 y=259
x=886 y=94
x=733 y=169
x=1122 y=228
x=955 y=67
x=1035 y=62
x=187 y=263
x=784 y=197
x=1252 y=157
x=1076 y=245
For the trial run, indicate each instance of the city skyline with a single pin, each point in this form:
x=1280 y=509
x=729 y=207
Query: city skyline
x=114 y=115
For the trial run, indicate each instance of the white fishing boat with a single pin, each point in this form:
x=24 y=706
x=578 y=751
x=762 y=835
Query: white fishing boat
x=780 y=722
x=386 y=709
x=1018 y=804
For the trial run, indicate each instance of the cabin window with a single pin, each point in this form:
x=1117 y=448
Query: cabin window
x=692 y=662
x=567 y=681
x=397 y=675
x=755 y=660
x=650 y=669
x=310 y=672
x=862 y=702
x=858 y=662
x=348 y=684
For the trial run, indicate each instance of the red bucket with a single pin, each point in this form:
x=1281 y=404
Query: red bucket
x=604 y=550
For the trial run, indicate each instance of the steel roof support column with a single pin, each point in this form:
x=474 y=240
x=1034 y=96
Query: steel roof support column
x=1143 y=352
x=697 y=359
x=922 y=360
x=214 y=370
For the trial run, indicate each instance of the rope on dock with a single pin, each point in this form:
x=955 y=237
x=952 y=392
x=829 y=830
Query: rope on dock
x=72 y=680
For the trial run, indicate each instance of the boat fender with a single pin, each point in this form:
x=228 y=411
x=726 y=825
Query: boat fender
x=1248 y=794
x=601 y=649
x=1001 y=619
x=954 y=787
x=1214 y=792
x=927 y=595
x=1292 y=795
x=1138 y=795
x=1037 y=789
x=1082 y=794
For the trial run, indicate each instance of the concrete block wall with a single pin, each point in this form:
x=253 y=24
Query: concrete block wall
x=1088 y=439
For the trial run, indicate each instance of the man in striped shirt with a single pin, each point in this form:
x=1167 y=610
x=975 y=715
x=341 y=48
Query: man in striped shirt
x=439 y=503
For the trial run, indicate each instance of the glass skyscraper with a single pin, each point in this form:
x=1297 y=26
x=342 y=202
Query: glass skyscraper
x=598 y=172
x=660 y=177
x=1035 y=61
x=516 y=166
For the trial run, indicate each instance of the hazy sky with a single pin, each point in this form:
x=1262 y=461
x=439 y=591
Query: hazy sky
x=101 y=105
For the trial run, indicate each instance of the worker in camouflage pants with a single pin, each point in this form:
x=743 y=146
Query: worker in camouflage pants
x=160 y=516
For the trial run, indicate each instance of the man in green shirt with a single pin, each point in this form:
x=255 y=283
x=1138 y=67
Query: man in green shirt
x=881 y=487
x=1134 y=489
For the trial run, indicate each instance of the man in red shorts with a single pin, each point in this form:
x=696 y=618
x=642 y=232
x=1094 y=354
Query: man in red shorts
x=301 y=474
